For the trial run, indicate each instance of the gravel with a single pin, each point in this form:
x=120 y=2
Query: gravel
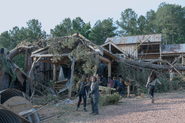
x=168 y=108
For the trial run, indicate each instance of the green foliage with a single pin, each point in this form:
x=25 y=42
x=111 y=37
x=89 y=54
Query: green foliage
x=19 y=60
x=102 y=30
x=170 y=18
x=128 y=22
x=151 y=27
x=58 y=44
x=90 y=62
x=68 y=27
x=34 y=30
x=109 y=99
x=6 y=66
x=5 y=40
x=120 y=67
x=168 y=85
x=141 y=24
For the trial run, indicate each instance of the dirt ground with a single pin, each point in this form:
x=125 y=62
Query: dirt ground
x=168 y=108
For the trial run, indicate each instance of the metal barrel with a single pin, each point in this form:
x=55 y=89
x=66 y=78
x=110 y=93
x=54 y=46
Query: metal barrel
x=9 y=93
x=8 y=117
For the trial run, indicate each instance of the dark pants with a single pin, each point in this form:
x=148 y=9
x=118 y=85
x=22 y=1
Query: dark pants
x=94 y=104
x=152 y=89
x=81 y=95
x=119 y=89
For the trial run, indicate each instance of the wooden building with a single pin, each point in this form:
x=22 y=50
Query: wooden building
x=43 y=55
x=146 y=48
x=141 y=47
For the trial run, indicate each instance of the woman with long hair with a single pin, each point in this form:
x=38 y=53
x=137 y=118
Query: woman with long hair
x=82 y=92
x=152 y=79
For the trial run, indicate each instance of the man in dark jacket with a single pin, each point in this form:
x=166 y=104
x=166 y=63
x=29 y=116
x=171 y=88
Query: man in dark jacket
x=118 y=85
x=82 y=89
x=103 y=81
x=94 y=95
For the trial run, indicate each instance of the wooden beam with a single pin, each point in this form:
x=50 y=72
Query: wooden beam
x=40 y=50
x=55 y=72
x=177 y=59
x=174 y=68
x=148 y=53
x=104 y=59
x=110 y=47
x=109 y=69
x=48 y=55
x=30 y=76
x=46 y=61
x=71 y=78
x=152 y=47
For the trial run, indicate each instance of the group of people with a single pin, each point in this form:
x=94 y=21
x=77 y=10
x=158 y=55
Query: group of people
x=112 y=83
x=92 y=89
x=83 y=91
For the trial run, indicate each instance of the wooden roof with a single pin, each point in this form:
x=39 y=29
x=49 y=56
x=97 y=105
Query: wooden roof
x=44 y=52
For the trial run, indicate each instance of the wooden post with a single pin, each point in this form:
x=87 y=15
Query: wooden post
x=143 y=72
x=26 y=62
x=110 y=47
x=31 y=82
x=182 y=62
x=71 y=78
x=54 y=72
x=109 y=69
x=128 y=90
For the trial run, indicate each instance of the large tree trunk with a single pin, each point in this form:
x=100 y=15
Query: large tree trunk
x=152 y=66
x=21 y=49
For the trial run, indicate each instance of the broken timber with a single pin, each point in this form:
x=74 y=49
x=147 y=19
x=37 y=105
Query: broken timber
x=152 y=66
x=71 y=78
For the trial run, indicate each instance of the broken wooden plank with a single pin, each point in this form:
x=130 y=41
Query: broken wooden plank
x=49 y=55
x=104 y=59
x=174 y=68
x=71 y=78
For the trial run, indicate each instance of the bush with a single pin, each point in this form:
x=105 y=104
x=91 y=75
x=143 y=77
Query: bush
x=109 y=99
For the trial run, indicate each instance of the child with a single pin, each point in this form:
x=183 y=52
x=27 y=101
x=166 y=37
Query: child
x=82 y=93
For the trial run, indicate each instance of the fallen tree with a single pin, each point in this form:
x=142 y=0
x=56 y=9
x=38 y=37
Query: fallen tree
x=151 y=65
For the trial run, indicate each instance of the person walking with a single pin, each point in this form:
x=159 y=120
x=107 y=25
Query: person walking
x=118 y=85
x=94 y=95
x=82 y=89
x=152 y=79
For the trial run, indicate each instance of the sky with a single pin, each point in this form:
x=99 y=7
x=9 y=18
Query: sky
x=51 y=12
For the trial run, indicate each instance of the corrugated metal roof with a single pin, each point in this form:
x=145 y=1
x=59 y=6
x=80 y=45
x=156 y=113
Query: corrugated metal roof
x=174 y=48
x=135 y=39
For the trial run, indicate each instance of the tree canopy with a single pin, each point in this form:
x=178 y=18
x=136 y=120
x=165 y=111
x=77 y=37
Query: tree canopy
x=102 y=30
x=169 y=19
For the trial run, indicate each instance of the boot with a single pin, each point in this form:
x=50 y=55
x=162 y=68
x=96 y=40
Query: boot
x=77 y=109
x=85 y=110
x=152 y=99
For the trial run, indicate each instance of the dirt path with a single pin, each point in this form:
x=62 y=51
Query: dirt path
x=168 y=108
